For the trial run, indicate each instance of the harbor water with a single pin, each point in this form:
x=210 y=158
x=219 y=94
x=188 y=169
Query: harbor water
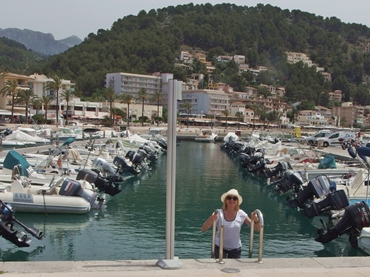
x=134 y=224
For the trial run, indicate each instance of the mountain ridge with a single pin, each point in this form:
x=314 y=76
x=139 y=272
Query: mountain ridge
x=43 y=43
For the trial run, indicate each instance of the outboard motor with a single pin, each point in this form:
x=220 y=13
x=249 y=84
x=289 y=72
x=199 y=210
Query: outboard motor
x=110 y=185
x=258 y=156
x=71 y=187
x=355 y=217
x=152 y=155
x=318 y=186
x=8 y=232
x=162 y=143
x=123 y=166
x=278 y=170
x=6 y=132
x=103 y=166
x=259 y=166
x=336 y=200
x=249 y=150
x=290 y=181
x=136 y=158
x=244 y=159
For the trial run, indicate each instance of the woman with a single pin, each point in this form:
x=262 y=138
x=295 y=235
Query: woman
x=234 y=218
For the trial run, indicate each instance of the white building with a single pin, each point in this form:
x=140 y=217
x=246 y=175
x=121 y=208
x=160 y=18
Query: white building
x=205 y=101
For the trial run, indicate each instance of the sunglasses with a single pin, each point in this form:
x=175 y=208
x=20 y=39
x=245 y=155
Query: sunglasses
x=232 y=197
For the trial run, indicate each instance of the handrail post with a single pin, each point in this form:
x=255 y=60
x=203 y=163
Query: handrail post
x=260 y=218
x=221 y=252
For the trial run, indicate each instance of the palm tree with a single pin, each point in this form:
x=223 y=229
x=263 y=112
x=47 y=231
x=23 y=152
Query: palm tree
x=187 y=106
x=142 y=95
x=110 y=96
x=36 y=103
x=26 y=96
x=238 y=117
x=157 y=98
x=128 y=99
x=11 y=87
x=46 y=102
x=226 y=112
x=67 y=95
x=55 y=86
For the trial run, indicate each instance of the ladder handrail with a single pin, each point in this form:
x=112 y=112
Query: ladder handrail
x=221 y=252
x=262 y=224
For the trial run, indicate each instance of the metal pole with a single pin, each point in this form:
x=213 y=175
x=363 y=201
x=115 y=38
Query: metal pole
x=171 y=261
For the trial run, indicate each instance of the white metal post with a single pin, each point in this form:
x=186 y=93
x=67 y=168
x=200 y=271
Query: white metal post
x=171 y=261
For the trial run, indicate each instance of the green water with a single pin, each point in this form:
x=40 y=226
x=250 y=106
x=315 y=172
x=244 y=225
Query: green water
x=134 y=224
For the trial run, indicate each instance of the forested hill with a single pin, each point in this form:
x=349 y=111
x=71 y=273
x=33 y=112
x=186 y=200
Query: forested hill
x=152 y=41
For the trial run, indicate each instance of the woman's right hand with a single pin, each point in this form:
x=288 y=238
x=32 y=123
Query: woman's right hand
x=208 y=223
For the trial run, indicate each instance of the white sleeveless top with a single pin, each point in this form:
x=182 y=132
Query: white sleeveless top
x=231 y=231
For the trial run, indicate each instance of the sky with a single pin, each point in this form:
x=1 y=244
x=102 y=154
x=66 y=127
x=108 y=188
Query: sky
x=82 y=17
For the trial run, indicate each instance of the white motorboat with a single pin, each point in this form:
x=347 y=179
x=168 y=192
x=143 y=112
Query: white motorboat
x=60 y=196
x=154 y=134
x=206 y=135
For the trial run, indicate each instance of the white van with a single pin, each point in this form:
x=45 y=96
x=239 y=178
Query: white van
x=312 y=140
x=337 y=138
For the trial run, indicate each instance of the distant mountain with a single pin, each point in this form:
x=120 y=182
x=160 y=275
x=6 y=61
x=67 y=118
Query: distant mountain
x=40 y=42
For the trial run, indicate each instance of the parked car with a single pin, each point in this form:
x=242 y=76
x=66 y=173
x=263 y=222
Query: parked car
x=312 y=140
x=337 y=138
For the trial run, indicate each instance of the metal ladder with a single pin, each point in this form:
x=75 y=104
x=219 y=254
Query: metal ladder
x=221 y=219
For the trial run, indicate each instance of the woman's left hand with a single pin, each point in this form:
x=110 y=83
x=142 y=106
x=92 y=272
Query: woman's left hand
x=254 y=217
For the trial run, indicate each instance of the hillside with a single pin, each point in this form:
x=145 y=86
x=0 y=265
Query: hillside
x=14 y=57
x=40 y=42
x=152 y=42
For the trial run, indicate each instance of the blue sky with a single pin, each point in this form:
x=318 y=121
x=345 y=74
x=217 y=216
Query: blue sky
x=81 y=17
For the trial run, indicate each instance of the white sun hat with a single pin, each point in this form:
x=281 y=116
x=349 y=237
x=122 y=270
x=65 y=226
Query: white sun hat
x=232 y=192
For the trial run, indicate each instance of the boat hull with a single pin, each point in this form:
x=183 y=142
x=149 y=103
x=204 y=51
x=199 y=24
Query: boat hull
x=33 y=203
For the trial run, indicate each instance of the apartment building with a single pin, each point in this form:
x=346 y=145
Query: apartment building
x=205 y=101
x=294 y=57
x=336 y=95
x=123 y=82
x=348 y=115
x=311 y=117
x=6 y=100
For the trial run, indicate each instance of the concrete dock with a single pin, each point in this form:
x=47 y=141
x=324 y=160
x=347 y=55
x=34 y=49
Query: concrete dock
x=315 y=267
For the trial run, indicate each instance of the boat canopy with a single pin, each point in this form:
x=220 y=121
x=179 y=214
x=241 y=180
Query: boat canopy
x=13 y=158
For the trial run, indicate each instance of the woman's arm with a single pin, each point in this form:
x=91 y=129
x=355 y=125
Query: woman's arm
x=208 y=223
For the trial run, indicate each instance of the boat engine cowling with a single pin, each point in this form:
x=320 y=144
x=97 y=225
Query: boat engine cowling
x=288 y=182
x=103 y=166
x=123 y=166
x=71 y=187
x=336 y=200
x=279 y=169
x=110 y=185
x=355 y=217
x=319 y=186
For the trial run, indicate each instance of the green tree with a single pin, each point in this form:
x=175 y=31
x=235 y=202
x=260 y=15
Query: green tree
x=26 y=97
x=128 y=99
x=55 y=85
x=238 y=117
x=187 y=106
x=110 y=96
x=226 y=113
x=11 y=87
x=157 y=98
x=67 y=95
x=142 y=95
x=36 y=103
x=46 y=102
